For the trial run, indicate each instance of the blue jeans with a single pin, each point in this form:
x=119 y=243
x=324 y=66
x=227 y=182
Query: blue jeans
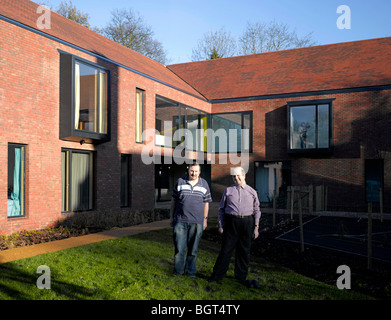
x=186 y=236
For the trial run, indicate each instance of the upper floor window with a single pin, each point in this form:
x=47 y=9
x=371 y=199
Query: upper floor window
x=139 y=114
x=90 y=98
x=233 y=131
x=309 y=125
x=84 y=100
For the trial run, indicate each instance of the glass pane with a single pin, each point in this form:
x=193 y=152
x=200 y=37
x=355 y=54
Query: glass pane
x=63 y=180
x=323 y=126
x=166 y=121
x=196 y=125
x=85 y=97
x=302 y=127
x=246 y=132
x=15 y=192
x=139 y=115
x=81 y=187
x=227 y=128
x=124 y=180
x=103 y=89
x=203 y=127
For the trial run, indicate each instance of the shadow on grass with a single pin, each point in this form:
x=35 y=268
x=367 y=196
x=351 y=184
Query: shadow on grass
x=13 y=282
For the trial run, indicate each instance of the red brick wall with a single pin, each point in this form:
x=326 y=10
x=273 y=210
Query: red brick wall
x=29 y=114
x=361 y=130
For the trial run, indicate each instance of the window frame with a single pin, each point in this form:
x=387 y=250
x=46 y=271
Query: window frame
x=242 y=114
x=140 y=118
x=315 y=104
x=67 y=184
x=125 y=182
x=23 y=148
x=68 y=101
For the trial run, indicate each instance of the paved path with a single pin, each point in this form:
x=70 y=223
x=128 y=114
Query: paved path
x=37 y=249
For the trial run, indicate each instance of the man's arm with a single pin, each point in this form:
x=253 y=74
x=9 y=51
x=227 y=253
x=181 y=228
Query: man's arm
x=206 y=212
x=172 y=211
x=220 y=218
x=257 y=215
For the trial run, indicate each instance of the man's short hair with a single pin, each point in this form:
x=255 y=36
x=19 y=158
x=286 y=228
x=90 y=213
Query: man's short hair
x=194 y=164
x=237 y=170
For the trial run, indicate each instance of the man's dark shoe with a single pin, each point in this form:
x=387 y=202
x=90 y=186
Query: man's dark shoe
x=249 y=284
x=255 y=284
x=213 y=279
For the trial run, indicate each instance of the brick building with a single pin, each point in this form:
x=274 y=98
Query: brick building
x=75 y=106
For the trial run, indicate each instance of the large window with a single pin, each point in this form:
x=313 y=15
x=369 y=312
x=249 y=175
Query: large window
x=16 y=180
x=76 y=180
x=90 y=98
x=232 y=132
x=167 y=117
x=196 y=123
x=139 y=115
x=84 y=100
x=309 y=126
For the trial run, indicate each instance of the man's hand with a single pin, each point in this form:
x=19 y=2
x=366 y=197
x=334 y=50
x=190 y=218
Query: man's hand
x=205 y=223
x=256 y=233
x=221 y=230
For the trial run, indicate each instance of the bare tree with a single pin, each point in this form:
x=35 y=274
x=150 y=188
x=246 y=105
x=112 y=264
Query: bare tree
x=218 y=44
x=69 y=11
x=129 y=29
x=262 y=37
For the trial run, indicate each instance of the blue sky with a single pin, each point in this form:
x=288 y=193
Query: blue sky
x=180 y=24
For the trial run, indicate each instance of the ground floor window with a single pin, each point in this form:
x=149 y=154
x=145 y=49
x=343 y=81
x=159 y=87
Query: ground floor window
x=16 y=180
x=272 y=176
x=76 y=180
x=125 y=180
x=374 y=173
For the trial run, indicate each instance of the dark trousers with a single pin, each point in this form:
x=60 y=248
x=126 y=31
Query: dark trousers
x=237 y=235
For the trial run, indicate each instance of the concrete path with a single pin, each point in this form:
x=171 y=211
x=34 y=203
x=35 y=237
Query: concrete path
x=37 y=249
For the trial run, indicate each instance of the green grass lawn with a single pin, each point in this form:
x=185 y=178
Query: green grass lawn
x=140 y=267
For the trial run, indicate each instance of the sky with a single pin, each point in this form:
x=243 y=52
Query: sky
x=180 y=24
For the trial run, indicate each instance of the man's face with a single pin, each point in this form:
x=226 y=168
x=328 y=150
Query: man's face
x=239 y=179
x=194 y=172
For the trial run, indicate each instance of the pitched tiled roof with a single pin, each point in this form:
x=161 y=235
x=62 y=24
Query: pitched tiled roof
x=25 y=12
x=328 y=67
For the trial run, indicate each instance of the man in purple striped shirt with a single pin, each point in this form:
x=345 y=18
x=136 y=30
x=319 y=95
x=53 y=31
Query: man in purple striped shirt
x=238 y=220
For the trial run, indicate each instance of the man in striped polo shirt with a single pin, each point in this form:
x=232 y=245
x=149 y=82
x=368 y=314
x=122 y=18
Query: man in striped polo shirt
x=189 y=214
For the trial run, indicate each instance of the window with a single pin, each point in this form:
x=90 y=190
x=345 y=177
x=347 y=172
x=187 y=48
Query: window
x=309 y=126
x=16 y=180
x=374 y=175
x=125 y=180
x=76 y=180
x=196 y=122
x=167 y=117
x=233 y=131
x=139 y=115
x=84 y=100
x=90 y=98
